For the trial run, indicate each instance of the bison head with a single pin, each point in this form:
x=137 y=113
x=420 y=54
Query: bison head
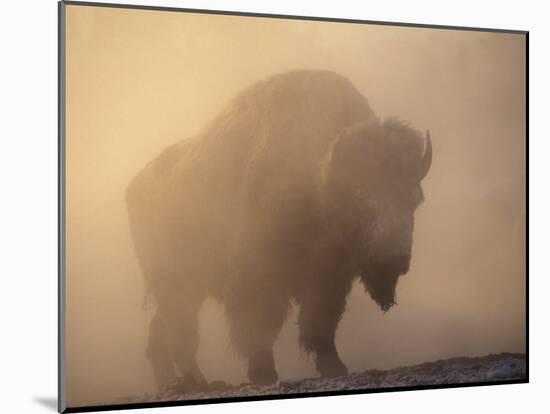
x=373 y=188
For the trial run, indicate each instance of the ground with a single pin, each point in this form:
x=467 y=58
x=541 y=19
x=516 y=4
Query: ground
x=490 y=368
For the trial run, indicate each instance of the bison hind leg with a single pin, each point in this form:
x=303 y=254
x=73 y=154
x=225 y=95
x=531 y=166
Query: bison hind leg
x=320 y=312
x=176 y=329
x=158 y=354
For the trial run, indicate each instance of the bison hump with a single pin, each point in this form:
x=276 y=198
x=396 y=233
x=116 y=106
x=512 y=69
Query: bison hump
x=275 y=133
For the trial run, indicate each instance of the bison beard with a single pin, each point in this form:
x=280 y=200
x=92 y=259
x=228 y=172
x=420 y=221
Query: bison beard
x=267 y=205
x=381 y=285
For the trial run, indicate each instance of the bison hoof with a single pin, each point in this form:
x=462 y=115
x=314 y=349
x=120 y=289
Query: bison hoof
x=263 y=377
x=331 y=367
x=188 y=383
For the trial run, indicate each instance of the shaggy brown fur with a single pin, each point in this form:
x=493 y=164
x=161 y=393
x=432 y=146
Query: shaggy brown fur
x=292 y=192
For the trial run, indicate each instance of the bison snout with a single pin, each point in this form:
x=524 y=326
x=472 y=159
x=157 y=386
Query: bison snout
x=397 y=264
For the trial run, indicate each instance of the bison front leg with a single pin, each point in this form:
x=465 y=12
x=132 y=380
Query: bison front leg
x=256 y=310
x=321 y=309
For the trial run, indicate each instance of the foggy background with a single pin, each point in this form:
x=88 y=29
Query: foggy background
x=138 y=81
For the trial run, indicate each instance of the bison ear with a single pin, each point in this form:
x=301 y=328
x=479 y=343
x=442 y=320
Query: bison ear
x=426 y=163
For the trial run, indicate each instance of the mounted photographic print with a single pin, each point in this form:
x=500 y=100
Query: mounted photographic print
x=257 y=207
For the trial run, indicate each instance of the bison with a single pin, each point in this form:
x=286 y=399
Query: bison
x=291 y=193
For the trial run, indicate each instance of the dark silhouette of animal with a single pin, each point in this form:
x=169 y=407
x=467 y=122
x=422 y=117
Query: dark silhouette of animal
x=295 y=190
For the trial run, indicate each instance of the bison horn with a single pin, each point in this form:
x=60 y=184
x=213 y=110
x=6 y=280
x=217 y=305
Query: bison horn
x=427 y=158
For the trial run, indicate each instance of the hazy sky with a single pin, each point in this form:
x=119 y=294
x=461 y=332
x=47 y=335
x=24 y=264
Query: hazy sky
x=138 y=81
